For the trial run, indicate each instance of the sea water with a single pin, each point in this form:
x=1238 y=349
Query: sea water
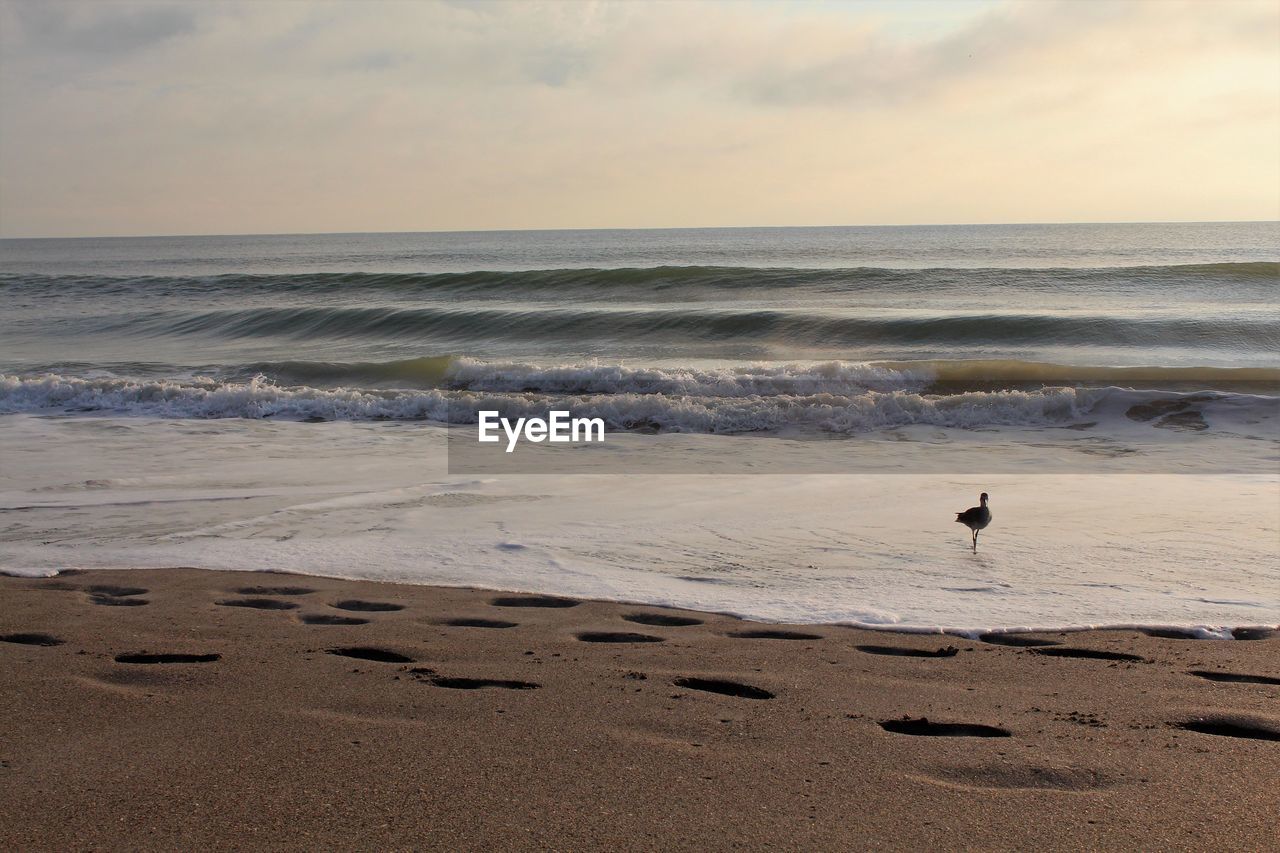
x=793 y=415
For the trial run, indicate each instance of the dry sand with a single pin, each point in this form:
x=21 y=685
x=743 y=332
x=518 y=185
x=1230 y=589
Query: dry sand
x=532 y=735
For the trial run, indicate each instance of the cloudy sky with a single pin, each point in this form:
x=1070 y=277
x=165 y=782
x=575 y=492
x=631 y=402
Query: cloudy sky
x=124 y=118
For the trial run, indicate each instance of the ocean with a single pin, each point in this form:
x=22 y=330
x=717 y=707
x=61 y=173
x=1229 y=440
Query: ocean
x=793 y=415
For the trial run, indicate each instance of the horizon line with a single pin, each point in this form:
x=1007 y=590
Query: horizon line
x=646 y=228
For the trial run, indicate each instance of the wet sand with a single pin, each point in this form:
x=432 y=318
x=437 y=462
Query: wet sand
x=171 y=708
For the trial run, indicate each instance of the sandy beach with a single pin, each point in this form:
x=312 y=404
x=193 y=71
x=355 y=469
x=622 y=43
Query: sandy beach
x=611 y=426
x=169 y=708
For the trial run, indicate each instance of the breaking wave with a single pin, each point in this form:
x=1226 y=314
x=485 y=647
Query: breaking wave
x=834 y=397
x=835 y=377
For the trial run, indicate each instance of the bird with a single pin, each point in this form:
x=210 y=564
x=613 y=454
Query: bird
x=976 y=518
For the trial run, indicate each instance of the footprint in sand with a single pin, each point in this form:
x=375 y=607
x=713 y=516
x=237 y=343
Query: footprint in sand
x=661 y=620
x=723 y=687
x=774 y=635
x=1232 y=726
x=117 y=596
x=906 y=652
x=31 y=639
x=1229 y=677
x=430 y=676
x=533 y=601
x=116 y=591
x=370 y=653
x=617 y=637
x=144 y=658
x=924 y=727
x=455 y=683
x=367 y=606
x=1090 y=654
x=330 y=619
x=475 y=622
x=258 y=603
x=110 y=601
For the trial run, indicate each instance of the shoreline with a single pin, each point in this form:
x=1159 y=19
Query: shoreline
x=235 y=709
x=1246 y=631
x=871 y=542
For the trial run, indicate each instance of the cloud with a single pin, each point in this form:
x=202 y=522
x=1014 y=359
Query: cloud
x=102 y=29
x=281 y=116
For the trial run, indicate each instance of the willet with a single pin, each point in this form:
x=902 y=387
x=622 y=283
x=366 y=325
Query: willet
x=975 y=518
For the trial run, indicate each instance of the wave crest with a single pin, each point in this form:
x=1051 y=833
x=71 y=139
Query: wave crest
x=702 y=406
x=766 y=379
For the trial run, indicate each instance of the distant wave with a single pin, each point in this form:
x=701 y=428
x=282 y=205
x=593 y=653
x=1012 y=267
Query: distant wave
x=650 y=282
x=1227 y=307
x=1254 y=269
x=444 y=324
x=688 y=401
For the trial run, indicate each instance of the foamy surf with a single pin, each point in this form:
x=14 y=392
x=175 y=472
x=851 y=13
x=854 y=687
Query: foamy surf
x=828 y=398
x=286 y=403
x=875 y=545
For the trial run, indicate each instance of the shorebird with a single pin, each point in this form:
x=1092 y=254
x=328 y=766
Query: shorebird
x=975 y=518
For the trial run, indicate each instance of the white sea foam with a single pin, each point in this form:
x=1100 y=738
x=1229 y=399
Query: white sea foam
x=676 y=401
x=155 y=420
x=766 y=380
x=1105 y=545
x=210 y=398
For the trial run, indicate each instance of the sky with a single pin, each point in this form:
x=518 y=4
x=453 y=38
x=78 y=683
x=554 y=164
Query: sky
x=283 y=116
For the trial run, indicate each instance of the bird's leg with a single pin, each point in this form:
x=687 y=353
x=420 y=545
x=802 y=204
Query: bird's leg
x=975 y=541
